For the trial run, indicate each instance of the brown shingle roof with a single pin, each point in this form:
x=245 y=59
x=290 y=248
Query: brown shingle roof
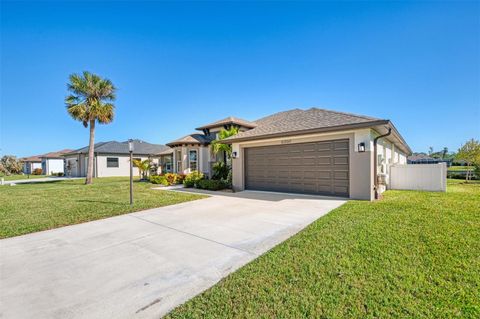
x=298 y=120
x=34 y=158
x=195 y=138
x=38 y=158
x=226 y=121
x=57 y=154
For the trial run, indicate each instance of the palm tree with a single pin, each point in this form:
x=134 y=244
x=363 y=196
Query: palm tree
x=90 y=102
x=218 y=146
x=143 y=167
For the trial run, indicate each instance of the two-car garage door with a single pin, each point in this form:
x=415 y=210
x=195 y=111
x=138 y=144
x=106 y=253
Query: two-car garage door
x=312 y=168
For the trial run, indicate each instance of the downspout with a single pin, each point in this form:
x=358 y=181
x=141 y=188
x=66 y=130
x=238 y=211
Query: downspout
x=375 y=160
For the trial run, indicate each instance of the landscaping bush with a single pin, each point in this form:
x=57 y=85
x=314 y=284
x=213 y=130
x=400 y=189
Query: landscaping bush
x=211 y=184
x=172 y=178
x=159 y=179
x=220 y=171
x=192 y=179
x=180 y=178
x=37 y=171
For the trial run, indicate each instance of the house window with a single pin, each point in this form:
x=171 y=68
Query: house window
x=192 y=158
x=112 y=161
x=167 y=164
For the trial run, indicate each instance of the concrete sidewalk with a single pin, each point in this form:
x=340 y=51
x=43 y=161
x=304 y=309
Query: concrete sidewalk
x=40 y=180
x=142 y=265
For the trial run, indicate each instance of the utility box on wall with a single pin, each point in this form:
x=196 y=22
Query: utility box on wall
x=425 y=177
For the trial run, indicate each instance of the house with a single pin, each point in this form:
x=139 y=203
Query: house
x=53 y=162
x=49 y=163
x=314 y=151
x=193 y=152
x=30 y=164
x=111 y=158
x=422 y=158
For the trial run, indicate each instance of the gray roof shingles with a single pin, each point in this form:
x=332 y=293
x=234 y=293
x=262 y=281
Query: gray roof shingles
x=194 y=138
x=228 y=120
x=114 y=147
x=301 y=120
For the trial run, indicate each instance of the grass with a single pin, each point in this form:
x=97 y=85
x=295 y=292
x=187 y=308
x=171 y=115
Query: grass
x=461 y=168
x=27 y=208
x=411 y=255
x=20 y=176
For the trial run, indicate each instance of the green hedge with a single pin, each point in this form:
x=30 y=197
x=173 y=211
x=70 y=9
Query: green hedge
x=211 y=184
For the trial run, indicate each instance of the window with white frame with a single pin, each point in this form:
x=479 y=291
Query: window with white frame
x=192 y=159
x=167 y=164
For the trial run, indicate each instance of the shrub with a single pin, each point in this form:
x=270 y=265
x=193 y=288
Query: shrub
x=159 y=179
x=171 y=178
x=211 y=184
x=192 y=179
x=37 y=171
x=180 y=178
x=220 y=170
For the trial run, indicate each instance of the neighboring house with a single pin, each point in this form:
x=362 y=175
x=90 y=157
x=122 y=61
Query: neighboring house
x=111 y=158
x=53 y=162
x=425 y=159
x=312 y=151
x=193 y=152
x=31 y=163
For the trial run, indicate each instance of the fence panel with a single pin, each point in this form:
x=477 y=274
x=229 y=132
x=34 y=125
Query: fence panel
x=426 y=177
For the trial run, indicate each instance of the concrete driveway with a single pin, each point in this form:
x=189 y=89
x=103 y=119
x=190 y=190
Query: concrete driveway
x=142 y=265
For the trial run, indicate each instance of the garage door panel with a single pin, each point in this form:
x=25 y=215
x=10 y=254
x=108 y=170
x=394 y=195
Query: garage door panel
x=318 y=168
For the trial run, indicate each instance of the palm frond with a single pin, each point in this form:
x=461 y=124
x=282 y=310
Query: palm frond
x=90 y=98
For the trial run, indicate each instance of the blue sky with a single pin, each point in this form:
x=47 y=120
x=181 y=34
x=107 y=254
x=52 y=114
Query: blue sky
x=180 y=65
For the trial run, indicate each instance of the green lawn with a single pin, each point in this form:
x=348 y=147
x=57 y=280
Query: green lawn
x=411 y=255
x=461 y=168
x=27 y=208
x=20 y=176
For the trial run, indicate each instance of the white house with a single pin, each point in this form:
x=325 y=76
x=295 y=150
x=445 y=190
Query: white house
x=49 y=163
x=111 y=158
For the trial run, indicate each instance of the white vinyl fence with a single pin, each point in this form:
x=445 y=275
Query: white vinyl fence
x=425 y=177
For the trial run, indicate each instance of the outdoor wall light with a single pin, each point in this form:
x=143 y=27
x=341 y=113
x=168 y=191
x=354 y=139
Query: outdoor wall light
x=234 y=154
x=361 y=147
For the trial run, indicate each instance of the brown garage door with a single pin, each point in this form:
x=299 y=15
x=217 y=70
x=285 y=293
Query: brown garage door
x=312 y=168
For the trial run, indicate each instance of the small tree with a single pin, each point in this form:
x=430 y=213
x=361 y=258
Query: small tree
x=218 y=146
x=470 y=153
x=444 y=152
x=143 y=167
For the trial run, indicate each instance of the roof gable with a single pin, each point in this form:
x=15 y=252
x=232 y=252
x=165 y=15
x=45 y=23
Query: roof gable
x=228 y=121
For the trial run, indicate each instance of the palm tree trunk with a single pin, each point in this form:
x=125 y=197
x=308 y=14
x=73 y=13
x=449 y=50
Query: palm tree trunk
x=91 y=144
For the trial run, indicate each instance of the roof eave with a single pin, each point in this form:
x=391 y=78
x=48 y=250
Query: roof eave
x=233 y=139
x=221 y=125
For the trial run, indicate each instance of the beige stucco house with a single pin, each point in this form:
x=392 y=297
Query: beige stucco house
x=193 y=152
x=317 y=151
x=111 y=158
x=312 y=151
